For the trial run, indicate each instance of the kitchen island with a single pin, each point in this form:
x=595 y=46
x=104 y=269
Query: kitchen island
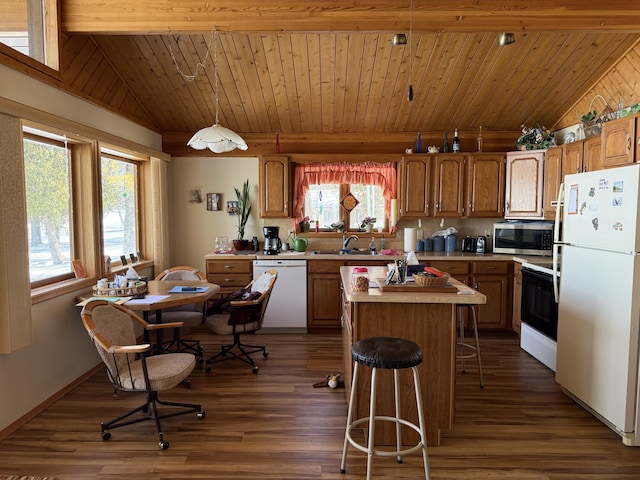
x=426 y=318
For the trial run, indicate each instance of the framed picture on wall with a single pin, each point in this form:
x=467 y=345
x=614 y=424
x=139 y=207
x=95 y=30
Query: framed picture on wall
x=232 y=208
x=213 y=201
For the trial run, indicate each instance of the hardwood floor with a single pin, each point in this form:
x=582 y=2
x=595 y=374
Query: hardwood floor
x=276 y=425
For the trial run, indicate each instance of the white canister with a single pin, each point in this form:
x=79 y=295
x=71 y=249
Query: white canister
x=410 y=238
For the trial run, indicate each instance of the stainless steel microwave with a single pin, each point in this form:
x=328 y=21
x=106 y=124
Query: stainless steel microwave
x=523 y=238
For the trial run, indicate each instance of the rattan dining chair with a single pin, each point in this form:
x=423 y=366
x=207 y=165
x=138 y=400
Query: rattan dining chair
x=131 y=369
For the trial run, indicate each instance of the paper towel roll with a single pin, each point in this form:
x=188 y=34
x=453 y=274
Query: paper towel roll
x=410 y=237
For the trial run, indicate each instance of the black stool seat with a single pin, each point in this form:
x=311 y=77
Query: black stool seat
x=386 y=352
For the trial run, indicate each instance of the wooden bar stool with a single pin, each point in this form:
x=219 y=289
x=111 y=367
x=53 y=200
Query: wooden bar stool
x=395 y=354
x=474 y=349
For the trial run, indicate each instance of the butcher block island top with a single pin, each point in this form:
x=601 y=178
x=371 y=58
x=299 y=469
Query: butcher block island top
x=426 y=318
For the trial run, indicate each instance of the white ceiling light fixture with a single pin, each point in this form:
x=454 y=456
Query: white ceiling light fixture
x=216 y=138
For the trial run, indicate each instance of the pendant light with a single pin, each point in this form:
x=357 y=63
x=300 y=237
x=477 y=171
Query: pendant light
x=399 y=39
x=506 y=38
x=216 y=138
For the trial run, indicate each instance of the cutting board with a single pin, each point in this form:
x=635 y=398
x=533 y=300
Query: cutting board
x=413 y=287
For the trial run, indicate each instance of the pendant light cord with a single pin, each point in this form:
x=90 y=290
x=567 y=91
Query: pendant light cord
x=215 y=68
x=410 y=42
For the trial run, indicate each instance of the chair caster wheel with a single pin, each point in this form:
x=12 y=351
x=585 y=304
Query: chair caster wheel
x=207 y=370
x=106 y=436
x=255 y=369
x=265 y=354
x=163 y=445
x=201 y=415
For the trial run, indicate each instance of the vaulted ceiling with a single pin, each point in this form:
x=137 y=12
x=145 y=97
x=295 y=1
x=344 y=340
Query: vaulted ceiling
x=328 y=66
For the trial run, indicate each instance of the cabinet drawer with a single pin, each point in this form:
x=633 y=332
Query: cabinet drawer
x=230 y=280
x=229 y=266
x=325 y=266
x=491 y=268
x=452 y=268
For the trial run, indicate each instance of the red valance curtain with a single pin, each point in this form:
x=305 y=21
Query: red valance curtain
x=368 y=173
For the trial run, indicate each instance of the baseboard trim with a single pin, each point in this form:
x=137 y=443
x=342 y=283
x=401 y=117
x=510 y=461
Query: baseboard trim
x=5 y=432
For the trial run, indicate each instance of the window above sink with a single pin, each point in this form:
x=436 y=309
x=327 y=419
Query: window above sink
x=340 y=196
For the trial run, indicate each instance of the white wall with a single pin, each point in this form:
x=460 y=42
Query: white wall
x=193 y=227
x=61 y=350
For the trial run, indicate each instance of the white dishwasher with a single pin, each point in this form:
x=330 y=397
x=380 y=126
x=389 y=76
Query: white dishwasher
x=287 y=308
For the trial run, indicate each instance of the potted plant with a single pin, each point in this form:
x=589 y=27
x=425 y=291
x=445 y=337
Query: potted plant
x=304 y=224
x=244 y=210
x=367 y=224
x=533 y=138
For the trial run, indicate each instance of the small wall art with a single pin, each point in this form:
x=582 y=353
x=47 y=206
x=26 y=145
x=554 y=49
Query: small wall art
x=232 y=208
x=213 y=201
x=195 y=196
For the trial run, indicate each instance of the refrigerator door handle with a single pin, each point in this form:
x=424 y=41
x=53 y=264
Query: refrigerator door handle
x=556 y=242
x=559 y=206
x=556 y=272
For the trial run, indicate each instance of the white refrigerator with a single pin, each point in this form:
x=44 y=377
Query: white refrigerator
x=599 y=296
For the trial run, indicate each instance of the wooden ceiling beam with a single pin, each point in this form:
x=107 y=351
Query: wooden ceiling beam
x=195 y=16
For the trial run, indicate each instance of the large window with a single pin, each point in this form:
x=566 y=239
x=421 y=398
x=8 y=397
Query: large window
x=70 y=190
x=48 y=191
x=119 y=205
x=30 y=27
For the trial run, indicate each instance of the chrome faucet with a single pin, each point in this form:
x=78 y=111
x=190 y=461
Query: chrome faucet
x=346 y=240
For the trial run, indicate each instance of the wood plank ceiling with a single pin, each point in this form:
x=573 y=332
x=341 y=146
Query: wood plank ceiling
x=328 y=67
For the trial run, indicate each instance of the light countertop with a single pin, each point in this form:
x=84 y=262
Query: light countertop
x=426 y=256
x=463 y=294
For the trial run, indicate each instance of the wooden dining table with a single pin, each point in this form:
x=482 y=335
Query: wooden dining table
x=159 y=297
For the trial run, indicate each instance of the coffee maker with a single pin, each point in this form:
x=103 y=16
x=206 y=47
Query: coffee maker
x=272 y=241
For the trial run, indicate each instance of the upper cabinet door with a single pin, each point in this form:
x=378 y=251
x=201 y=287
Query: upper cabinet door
x=618 y=141
x=449 y=185
x=553 y=161
x=415 y=186
x=274 y=186
x=524 y=183
x=572 y=158
x=592 y=154
x=485 y=185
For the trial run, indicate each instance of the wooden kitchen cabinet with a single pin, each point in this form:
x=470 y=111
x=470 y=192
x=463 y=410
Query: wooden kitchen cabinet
x=572 y=158
x=231 y=273
x=592 y=154
x=274 y=186
x=324 y=304
x=485 y=185
x=618 y=141
x=516 y=321
x=524 y=184
x=415 y=186
x=457 y=269
x=449 y=185
x=493 y=279
x=552 y=180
